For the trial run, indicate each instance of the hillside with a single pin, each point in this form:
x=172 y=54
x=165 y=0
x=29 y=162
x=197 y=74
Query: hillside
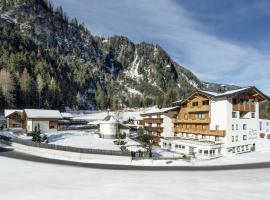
x=50 y=61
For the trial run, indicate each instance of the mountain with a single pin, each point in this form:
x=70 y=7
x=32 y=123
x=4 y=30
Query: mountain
x=48 y=60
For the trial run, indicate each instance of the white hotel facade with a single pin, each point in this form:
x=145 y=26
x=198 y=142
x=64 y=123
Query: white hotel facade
x=209 y=125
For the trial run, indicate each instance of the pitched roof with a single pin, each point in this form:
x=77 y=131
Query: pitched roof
x=43 y=114
x=159 y=111
x=235 y=92
x=8 y=112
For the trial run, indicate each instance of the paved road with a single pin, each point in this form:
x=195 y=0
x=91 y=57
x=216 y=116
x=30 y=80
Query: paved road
x=22 y=156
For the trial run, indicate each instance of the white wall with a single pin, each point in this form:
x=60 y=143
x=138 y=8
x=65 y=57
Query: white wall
x=264 y=126
x=43 y=125
x=251 y=131
x=219 y=114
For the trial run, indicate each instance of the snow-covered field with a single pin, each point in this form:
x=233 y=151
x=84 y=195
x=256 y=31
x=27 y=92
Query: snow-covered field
x=96 y=115
x=85 y=139
x=24 y=180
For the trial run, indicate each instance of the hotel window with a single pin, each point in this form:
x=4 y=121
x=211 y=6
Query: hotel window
x=238 y=149
x=200 y=152
x=236 y=126
x=232 y=138
x=194 y=103
x=217 y=127
x=236 y=138
x=244 y=127
x=205 y=152
x=183 y=147
x=158 y=125
x=252 y=115
x=205 y=102
x=234 y=101
x=244 y=137
x=234 y=115
x=232 y=126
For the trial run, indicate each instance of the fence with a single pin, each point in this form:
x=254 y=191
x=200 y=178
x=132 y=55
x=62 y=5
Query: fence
x=9 y=140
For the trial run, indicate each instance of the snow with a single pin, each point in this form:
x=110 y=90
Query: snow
x=133 y=70
x=8 y=112
x=159 y=110
x=225 y=93
x=26 y=180
x=6 y=16
x=40 y=113
x=85 y=139
x=95 y=116
x=81 y=139
x=133 y=91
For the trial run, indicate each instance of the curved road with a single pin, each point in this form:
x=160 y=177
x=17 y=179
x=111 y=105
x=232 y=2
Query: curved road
x=22 y=156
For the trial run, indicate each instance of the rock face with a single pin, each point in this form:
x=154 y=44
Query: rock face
x=81 y=70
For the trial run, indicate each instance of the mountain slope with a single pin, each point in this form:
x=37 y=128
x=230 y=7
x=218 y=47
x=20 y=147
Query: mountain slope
x=51 y=61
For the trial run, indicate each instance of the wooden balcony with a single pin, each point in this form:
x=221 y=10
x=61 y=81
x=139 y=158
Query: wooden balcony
x=153 y=120
x=191 y=121
x=201 y=108
x=200 y=132
x=153 y=129
x=245 y=107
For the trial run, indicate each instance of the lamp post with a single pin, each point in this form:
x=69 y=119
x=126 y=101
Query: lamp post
x=150 y=147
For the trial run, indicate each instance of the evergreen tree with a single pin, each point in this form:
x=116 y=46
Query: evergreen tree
x=7 y=87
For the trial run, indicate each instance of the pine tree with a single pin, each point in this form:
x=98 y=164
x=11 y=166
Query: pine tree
x=26 y=85
x=40 y=87
x=7 y=87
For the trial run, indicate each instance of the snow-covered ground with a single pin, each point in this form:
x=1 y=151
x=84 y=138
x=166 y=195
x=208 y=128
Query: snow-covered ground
x=24 y=180
x=85 y=139
x=125 y=115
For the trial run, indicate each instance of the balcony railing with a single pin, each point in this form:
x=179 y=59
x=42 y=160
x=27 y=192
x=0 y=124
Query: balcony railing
x=220 y=133
x=153 y=129
x=245 y=107
x=191 y=121
x=153 y=120
x=198 y=108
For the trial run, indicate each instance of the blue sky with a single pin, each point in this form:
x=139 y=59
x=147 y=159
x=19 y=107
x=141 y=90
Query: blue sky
x=220 y=41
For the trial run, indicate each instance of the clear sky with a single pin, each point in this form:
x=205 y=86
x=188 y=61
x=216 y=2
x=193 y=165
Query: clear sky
x=220 y=41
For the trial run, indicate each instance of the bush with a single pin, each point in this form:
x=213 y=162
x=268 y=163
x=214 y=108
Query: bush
x=262 y=135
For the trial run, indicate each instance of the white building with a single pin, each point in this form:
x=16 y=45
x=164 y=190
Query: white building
x=109 y=127
x=45 y=120
x=264 y=127
x=211 y=124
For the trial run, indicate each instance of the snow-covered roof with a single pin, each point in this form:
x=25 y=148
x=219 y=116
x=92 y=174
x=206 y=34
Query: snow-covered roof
x=11 y=111
x=109 y=119
x=215 y=94
x=44 y=114
x=66 y=115
x=157 y=111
